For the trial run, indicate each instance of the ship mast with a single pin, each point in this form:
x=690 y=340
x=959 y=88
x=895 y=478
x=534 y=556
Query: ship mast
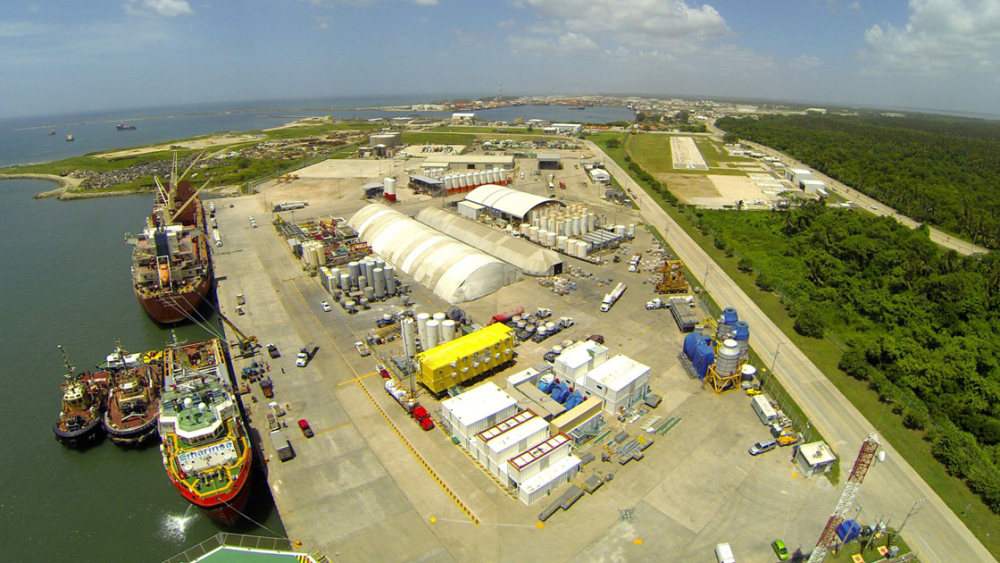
x=69 y=367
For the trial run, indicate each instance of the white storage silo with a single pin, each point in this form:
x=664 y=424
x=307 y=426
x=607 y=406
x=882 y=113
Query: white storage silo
x=592 y=221
x=631 y=230
x=390 y=279
x=550 y=241
x=370 y=293
x=620 y=229
x=354 y=270
x=447 y=330
x=345 y=282
x=460 y=181
x=561 y=243
x=748 y=371
x=320 y=254
x=409 y=338
x=576 y=226
x=503 y=175
x=728 y=358
x=379 y=282
x=439 y=317
x=448 y=182
x=533 y=234
x=525 y=228
x=422 y=319
x=433 y=331
x=389 y=189
x=582 y=248
x=493 y=176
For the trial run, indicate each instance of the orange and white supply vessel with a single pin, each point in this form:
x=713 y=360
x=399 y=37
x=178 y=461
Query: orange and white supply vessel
x=205 y=446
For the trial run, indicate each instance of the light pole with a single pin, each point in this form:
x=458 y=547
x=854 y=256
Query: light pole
x=774 y=363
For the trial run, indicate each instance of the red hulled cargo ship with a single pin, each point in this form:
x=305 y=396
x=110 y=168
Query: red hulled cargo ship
x=171 y=264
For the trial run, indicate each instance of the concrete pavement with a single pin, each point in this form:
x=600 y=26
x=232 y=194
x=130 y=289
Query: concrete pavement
x=893 y=486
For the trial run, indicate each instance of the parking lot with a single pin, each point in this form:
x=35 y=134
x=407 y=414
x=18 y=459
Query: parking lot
x=360 y=482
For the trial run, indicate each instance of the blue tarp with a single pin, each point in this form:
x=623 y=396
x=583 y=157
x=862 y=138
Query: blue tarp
x=560 y=392
x=545 y=386
x=703 y=358
x=575 y=399
x=848 y=530
x=691 y=342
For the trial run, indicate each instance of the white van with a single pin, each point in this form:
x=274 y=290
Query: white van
x=765 y=412
x=724 y=553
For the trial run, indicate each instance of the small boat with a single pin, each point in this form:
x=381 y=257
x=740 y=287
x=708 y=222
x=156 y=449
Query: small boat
x=69 y=138
x=82 y=405
x=52 y=132
x=134 y=400
x=126 y=127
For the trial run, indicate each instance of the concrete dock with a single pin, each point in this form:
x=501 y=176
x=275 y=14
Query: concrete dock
x=372 y=486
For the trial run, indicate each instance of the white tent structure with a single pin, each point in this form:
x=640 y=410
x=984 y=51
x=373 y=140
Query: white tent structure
x=507 y=202
x=454 y=271
x=531 y=258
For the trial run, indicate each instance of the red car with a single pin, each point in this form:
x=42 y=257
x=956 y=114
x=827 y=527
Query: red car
x=304 y=427
x=382 y=371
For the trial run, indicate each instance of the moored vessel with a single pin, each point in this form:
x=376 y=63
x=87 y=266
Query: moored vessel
x=134 y=399
x=69 y=138
x=171 y=264
x=205 y=445
x=83 y=404
x=126 y=127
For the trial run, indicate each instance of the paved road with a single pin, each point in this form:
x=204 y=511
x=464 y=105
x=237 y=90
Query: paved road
x=892 y=487
x=868 y=204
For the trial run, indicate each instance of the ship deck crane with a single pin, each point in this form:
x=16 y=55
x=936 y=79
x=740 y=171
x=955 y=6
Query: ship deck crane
x=247 y=344
x=866 y=458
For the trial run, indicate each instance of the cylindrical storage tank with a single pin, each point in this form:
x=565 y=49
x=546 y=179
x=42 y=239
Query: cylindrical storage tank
x=582 y=249
x=631 y=230
x=557 y=350
x=481 y=178
x=438 y=317
x=354 y=270
x=592 y=221
x=525 y=227
x=541 y=331
x=741 y=334
x=422 y=319
x=345 y=282
x=550 y=326
x=370 y=293
x=576 y=226
x=390 y=280
x=389 y=189
x=748 y=372
x=321 y=254
x=570 y=247
x=350 y=306
x=461 y=181
x=530 y=329
x=433 y=331
x=515 y=318
x=584 y=227
x=729 y=356
x=469 y=180
x=533 y=234
x=561 y=243
x=494 y=176
x=551 y=239
x=334 y=274
x=447 y=182
x=364 y=302
x=409 y=337
x=503 y=176
x=362 y=282
x=370 y=270
x=447 y=330
x=542 y=236
x=379 y=263
x=379 y=286
x=522 y=324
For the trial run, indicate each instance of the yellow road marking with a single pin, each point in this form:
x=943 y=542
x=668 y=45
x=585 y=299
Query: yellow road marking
x=356 y=379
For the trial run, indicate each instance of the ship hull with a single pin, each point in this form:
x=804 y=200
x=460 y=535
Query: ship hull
x=130 y=436
x=225 y=508
x=170 y=308
x=80 y=437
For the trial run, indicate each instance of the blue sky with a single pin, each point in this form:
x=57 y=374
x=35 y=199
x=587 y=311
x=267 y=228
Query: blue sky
x=68 y=56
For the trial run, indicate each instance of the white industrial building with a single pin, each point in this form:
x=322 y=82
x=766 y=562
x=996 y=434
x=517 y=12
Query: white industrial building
x=542 y=468
x=466 y=162
x=530 y=258
x=563 y=129
x=796 y=175
x=542 y=484
x=814 y=459
x=600 y=176
x=388 y=140
x=813 y=186
x=619 y=382
x=476 y=410
x=463 y=117
x=508 y=203
x=579 y=358
x=453 y=270
x=498 y=449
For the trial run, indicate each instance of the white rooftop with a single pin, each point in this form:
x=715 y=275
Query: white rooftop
x=817 y=453
x=800 y=170
x=813 y=182
x=549 y=474
x=538 y=451
x=578 y=354
x=520 y=432
x=505 y=426
x=618 y=372
x=478 y=403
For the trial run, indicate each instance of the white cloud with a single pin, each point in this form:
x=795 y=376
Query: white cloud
x=805 y=62
x=941 y=37
x=322 y=23
x=640 y=23
x=165 y=8
x=506 y=24
x=22 y=29
x=425 y=2
x=855 y=7
x=567 y=43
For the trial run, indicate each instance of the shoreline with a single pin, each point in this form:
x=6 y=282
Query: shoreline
x=66 y=185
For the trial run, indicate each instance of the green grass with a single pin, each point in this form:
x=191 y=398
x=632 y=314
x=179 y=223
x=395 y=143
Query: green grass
x=845 y=553
x=435 y=138
x=652 y=152
x=825 y=355
x=92 y=163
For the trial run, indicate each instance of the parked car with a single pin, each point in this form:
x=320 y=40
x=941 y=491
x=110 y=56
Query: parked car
x=382 y=371
x=763 y=446
x=326 y=306
x=272 y=351
x=362 y=349
x=304 y=427
x=780 y=550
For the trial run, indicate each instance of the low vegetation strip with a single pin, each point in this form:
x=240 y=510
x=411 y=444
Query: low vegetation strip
x=938 y=170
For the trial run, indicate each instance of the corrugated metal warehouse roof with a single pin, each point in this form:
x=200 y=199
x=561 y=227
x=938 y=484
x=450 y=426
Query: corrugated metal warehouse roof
x=531 y=258
x=453 y=270
x=508 y=201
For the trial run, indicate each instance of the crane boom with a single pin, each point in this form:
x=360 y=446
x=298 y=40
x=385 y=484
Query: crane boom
x=866 y=457
x=246 y=343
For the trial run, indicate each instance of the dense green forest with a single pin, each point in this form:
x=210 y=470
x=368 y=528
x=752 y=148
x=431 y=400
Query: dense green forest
x=920 y=326
x=941 y=171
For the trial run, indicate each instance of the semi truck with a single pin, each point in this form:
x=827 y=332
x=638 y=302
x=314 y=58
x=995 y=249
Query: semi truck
x=290 y=205
x=611 y=298
x=306 y=354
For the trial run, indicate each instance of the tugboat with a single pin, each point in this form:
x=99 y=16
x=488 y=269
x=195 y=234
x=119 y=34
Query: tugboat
x=126 y=127
x=52 y=132
x=205 y=446
x=134 y=400
x=82 y=405
x=69 y=138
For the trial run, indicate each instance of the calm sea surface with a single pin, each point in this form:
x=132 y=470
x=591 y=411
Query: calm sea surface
x=65 y=280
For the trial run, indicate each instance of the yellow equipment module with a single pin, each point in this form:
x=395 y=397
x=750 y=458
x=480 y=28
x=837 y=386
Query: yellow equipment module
x=459 y=360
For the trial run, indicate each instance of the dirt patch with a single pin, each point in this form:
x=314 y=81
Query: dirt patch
x=195 y=144
x=689 y=189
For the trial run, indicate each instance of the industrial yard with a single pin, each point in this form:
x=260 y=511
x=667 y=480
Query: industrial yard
x=373 y=471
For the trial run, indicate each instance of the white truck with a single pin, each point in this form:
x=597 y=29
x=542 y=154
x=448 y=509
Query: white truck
x=611 y=298
x=656 y=303
x=290 y=205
